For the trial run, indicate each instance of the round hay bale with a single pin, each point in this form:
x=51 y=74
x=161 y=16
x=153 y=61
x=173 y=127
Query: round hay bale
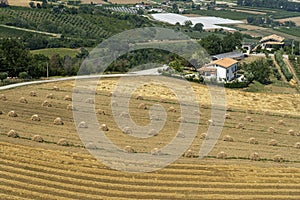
x=292 y=132
x=139 y=97
x=13 y=134
x=12 y=114
x=210 y=122
x=129 y=149
x=82 y=125
x=181 y=119
x=221 y=155
x=50 y=96
x=71 y=107
x=35 y=118
x=156 y=151
x=297 y=145
x=104 y=127
x=250 y=111
x=1 y=112
x=37 y=138
x=111 y=94
x=163 y=100
x=171 y=109
x=100 y=112
x=249 y=119
x=113 y=103
x=32 y=94
x=254 y=156
x=67 y=98
x=3 y=97
x=227 y=116
x=153 y=132
x=127 y=130
x=142 y=106
x=229 y=109
x=203 y=136
x=90 y=101
x=23 y=100
x=46 y=104
x=239 y=126
x=189 y=154
x=278 y=158
x=58 y=121
x=204 y=106
x=227 y=138
x=273 y=142
x=272 y=130
x=181 y=134
x=124 y=115
x=90 y=145
x=252 y=140
x=281 y=122
x=55 y=88
x=196 y=112
x=63 y=142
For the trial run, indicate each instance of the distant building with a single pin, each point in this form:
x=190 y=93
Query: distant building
x=234 y=55
x=248 y=47
x=223 y=70
x=271 y=42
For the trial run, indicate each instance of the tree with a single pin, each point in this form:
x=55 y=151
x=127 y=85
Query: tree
x=37 y=68
x=3 y=76
x=83 y=53
x=140 y=12
x=44 y=4
x=176 y=65
x=188 y=23
x=38 y=5
x=31 y=4
x=212 y=44
x=175 y=8
x=14 y=56
x=260 y=70
x=198 y=27
x=55 y=65
x=23 y=75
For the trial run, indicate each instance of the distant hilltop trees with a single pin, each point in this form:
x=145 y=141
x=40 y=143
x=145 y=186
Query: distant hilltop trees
x=277 y=4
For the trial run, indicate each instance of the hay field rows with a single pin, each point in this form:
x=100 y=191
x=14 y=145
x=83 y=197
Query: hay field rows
x=34 y=170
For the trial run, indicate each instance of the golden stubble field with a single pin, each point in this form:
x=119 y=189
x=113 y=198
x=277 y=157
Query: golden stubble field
x=24 y=3
x=46 y=170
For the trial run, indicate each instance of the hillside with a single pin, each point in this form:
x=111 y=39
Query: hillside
x=45 y=170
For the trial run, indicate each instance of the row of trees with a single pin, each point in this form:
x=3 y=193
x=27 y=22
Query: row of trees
x=216 y=45
x=267 y=21
x=277 y=4
x=279 y=59
x=17 y=61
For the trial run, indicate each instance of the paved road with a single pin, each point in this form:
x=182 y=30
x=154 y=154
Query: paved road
x=148 y=72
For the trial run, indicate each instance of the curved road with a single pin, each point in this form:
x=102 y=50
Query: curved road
x=148 y=72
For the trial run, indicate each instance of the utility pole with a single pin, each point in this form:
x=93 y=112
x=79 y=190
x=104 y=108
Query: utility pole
x=47 y=71
x=293 y=47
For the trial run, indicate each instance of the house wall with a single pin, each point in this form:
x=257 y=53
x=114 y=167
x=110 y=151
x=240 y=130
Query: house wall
x=228 y=74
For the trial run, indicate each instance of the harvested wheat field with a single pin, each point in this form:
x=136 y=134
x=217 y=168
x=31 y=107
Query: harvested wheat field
x=294 y=19
x=49 y=161
x=24 y=3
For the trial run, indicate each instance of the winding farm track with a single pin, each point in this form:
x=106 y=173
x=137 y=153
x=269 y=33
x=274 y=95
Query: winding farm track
x=31 y=170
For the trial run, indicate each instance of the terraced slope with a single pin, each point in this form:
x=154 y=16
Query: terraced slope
x=33 y=170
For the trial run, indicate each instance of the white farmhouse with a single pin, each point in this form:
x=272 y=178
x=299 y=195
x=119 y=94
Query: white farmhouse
x=223 y=70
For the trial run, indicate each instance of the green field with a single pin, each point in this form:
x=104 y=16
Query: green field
x=61 y=51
